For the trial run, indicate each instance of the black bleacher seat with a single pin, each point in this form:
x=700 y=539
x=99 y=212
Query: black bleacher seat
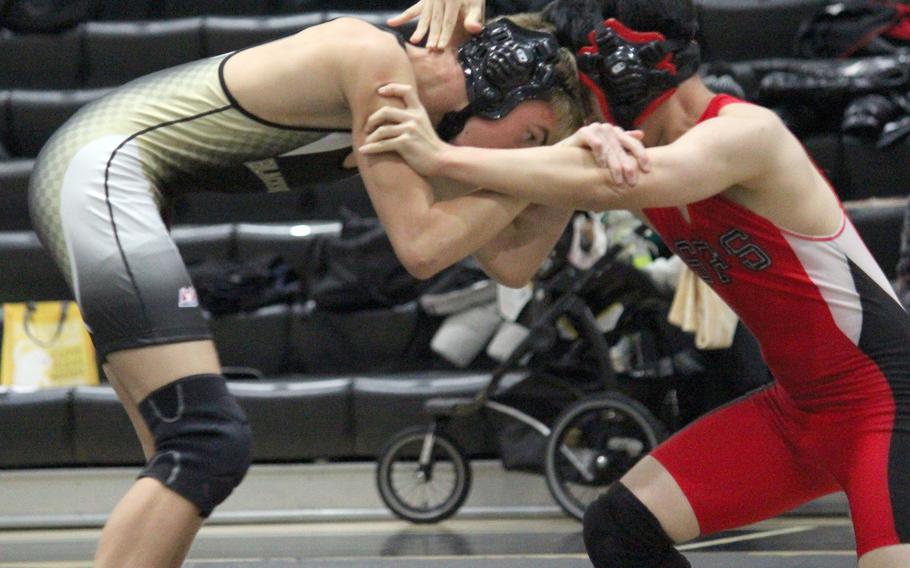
x=120 y=11
x=877 y=173
x=294 y=243
x=117 y=52
x=360 y=341
x=291 y=421
x=4 y=126
x=35 y=115
x=385 y=405
x=28 y=271
x=53 y=60
x=735 y=30
x=204 y=242
x=257 y=339
x=45 y=16
x=36 y=428
x=222 y=35
x=102 y=432
x=880 y=224
x=14 y=195
x=302 y=419
x=204 y=208
x=164 y=9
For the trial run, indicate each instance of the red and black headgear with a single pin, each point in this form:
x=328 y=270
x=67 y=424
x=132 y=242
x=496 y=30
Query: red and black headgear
x=632 y=73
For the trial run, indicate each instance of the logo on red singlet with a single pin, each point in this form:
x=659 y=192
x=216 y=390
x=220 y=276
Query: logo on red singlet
x=187 y=298
x=707 y=262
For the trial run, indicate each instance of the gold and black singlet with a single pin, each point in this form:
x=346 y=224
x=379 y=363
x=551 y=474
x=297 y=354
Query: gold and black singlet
x=97 y=186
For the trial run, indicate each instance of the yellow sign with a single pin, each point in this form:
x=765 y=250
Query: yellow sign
x=45 y=344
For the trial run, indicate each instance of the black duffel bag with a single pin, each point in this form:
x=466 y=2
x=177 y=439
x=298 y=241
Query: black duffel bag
x=233 y=286
x=855 y=27
x=358 y=269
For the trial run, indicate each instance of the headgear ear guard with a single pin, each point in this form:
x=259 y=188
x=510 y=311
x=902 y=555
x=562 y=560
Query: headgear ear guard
x=504 y=66
x=632 y=73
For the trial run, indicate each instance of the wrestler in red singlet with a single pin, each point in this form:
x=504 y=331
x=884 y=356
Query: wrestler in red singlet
x=838 y=342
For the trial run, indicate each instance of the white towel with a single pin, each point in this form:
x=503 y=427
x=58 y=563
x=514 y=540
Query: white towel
x=697 y=308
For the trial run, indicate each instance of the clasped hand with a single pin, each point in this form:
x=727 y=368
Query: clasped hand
x=407 y=131
x=613 y=148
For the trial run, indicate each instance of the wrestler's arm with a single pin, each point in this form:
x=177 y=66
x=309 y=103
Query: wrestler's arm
x=514 y=255
x=735 y=149
x=428 y=235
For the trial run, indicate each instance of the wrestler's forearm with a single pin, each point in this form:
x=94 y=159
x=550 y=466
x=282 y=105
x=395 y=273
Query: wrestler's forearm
x=565 y=177
x=448 y=231
x=514 y=256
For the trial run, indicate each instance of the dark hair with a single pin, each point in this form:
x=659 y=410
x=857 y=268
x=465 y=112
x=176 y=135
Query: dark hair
x=574 y=19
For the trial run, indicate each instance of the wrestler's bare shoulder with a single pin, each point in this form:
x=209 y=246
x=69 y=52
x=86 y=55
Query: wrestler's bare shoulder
x=749 y=111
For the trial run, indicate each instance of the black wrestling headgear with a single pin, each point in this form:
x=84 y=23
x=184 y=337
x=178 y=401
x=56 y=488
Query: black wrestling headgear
x=632 y=73
x=504 y=66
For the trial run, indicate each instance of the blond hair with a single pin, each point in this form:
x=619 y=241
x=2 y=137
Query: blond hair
x=567 y=103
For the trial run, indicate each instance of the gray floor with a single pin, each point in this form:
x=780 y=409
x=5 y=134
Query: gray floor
x=507 y=543
x=295 y=517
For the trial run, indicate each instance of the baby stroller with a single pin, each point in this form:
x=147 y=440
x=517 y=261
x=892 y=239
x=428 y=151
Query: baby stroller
x=423 y=475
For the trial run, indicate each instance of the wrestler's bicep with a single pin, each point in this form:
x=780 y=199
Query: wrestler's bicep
x=707 y=160
x=400 y=196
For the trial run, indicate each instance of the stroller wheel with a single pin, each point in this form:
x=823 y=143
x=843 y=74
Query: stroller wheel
x=423 y=484
x=593 y=443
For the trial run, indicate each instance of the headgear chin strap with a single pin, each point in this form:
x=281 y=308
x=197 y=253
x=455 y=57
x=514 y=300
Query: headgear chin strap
x=504 y=66
x=632 y=73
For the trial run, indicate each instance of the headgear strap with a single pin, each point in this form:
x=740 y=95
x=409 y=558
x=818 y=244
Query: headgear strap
x=632 y=73
x=504 y=66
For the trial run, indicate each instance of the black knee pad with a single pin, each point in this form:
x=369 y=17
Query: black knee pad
x=620 y=532
x=203 y=442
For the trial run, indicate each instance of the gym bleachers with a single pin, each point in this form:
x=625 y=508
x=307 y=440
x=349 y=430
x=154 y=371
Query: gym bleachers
x=110 y=48
x=224 y=34
x=294 y=418
x=14 y=194
x=53 y=62
x=298 y=412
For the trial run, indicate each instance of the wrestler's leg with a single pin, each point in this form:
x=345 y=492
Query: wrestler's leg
x=97 y=214
x=195 y=435
x=152 y=525
x=132 y=411
x=115 y=529
x=728 y=469
x=871 y=458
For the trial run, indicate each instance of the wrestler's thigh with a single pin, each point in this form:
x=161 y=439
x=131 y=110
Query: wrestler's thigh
x=730 y=468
